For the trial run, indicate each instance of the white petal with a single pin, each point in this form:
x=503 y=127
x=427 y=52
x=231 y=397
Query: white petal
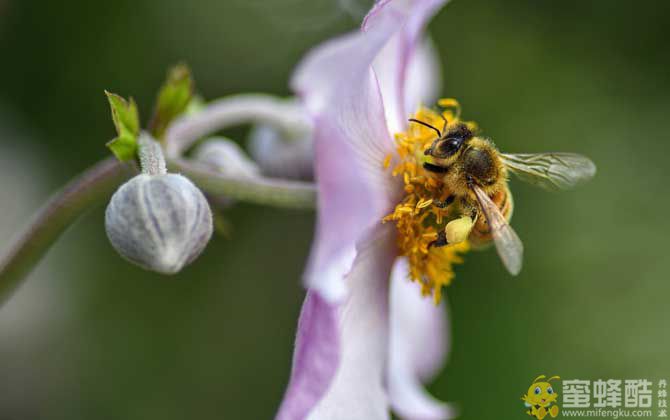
x=340 y=351
x=325 y=271
x=351 y=141
x=424 y=77
x=341 y=93
x=418 y=347
x=394 y=65
x=357 y=391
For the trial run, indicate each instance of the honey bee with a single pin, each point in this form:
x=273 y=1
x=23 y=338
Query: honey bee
x=476 y=175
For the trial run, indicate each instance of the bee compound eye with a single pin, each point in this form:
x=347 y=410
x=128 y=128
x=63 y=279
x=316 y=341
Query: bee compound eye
x=449 y=146
x=550 y=390
x=537 y=390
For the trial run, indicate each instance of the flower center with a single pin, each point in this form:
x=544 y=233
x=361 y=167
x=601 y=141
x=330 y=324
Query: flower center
x=423 y=212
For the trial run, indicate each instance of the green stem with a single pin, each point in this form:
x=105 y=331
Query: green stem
x=150 y=153
x=91 y=187
x=257 y=190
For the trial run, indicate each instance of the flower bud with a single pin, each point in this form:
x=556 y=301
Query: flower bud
x=226 y=157
x=159 y=222
x=281 y=155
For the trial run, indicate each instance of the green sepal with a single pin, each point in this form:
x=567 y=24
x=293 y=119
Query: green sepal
x=173 y=99
x=127 y=122
x=123 y=147
x=196 y=105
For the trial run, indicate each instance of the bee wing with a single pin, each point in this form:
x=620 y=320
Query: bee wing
x=551 y=171
x=508 y=244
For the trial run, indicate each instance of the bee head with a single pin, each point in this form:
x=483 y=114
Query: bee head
x=450 y=143
x=459 y=152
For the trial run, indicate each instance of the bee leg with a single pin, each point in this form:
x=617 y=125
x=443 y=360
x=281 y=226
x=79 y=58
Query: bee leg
x=434 y=168
x=445 y=203
x=440 y=241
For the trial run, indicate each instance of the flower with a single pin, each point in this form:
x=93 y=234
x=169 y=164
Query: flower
x=367 y=338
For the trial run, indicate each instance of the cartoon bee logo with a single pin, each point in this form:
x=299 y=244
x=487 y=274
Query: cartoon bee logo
x=540 y=397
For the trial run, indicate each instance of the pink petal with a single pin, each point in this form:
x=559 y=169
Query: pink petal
x=341 y=93
x=340 y=354
x=424 y=77
x=418 y=347
x=315 y=359
x=393 y=65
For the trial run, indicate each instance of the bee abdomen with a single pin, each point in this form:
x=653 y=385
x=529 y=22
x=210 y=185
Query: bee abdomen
x=481 y=233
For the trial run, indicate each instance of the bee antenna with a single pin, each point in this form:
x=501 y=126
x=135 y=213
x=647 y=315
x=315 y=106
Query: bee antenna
x=439 y=133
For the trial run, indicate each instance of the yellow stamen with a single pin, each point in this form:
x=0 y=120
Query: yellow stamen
x=417 y=217
x=387 y=161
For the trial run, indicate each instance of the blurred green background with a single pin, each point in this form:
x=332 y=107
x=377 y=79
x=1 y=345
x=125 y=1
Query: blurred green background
x=91 y=337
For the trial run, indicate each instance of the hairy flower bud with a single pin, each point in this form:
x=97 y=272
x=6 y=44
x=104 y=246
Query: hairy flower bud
x=226 y=157
x=280 y=155
x=159 y=222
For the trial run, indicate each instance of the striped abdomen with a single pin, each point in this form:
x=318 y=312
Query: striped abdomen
x=480 y=235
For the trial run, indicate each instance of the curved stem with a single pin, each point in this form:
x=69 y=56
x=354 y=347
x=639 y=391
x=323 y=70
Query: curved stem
x=232 y=110
x=91 y=187
x=258 y=190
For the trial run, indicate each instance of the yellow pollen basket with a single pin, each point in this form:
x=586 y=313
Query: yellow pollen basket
x=417 y=220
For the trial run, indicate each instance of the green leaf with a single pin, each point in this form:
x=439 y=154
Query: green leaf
x=173 y=99
x=127 y=123
x=123 y=147
x=125 y=115
x=196 y=105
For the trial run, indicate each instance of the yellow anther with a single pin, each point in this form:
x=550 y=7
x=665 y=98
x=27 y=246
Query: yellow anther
x=416 y=218
x=423 y=204
x=452 y=108
x=448 y=103
x=387 y=161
